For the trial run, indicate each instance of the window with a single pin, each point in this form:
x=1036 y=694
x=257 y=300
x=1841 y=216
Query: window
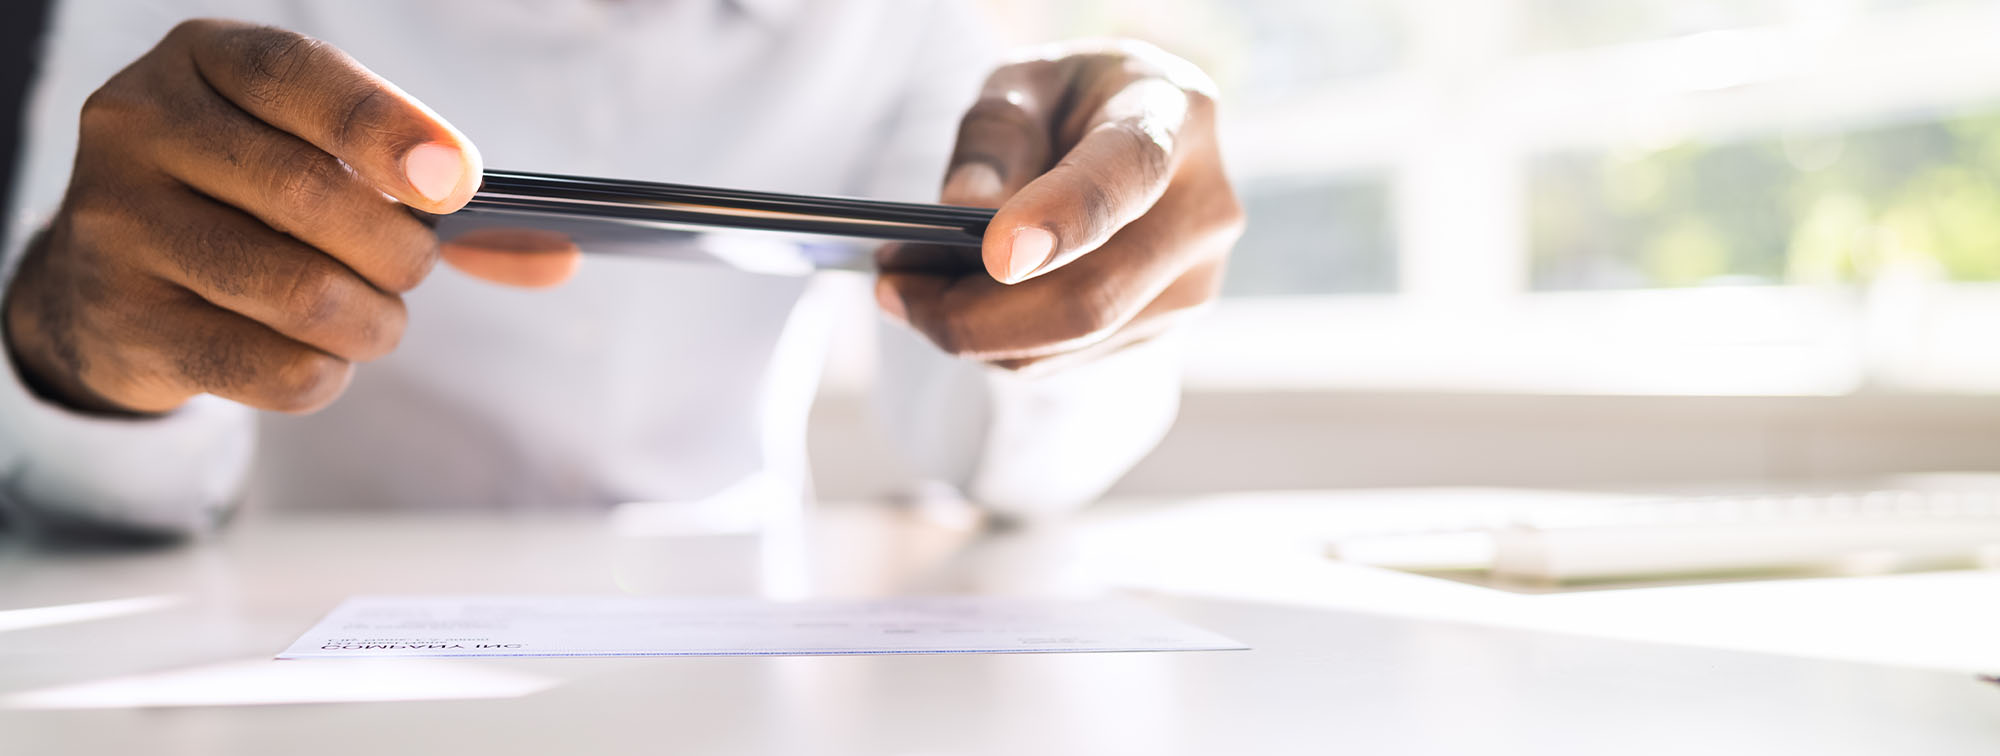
x=1597 y=196
x=1314 y=235
x=1841 y=207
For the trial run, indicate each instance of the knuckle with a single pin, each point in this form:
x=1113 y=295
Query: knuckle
x=112 y=108
x=271 y=60
x=1016 y=79
x=119 y=386
x=1096 y=211
x=417 y=256
x=1233 y=228
x=118 y=311
x=366 y=113
x=91 y=217
x=1233 y=219
x=325 y=305
x=314 y=298
x=1201 y=105
x=131 y=386
x=1149 y=146
x=97 y=228
x=305 y=180
x=1222 y=223
x=223 y=258
x=1211 y=286
x=996 y=129
x=951 y=336
x=997 y=110
x=215 y=364
x=381 y=335
x=192 y=29
x=1085 y=319
x=1194 y=291
x=307 y=381
x=1012 y=73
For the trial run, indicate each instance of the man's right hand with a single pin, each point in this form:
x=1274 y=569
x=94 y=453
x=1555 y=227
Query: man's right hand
x=235 y=224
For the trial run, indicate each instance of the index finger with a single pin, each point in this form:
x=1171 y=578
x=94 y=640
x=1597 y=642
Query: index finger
x=1112 y=176
x=316 y=92
x=1005 y=138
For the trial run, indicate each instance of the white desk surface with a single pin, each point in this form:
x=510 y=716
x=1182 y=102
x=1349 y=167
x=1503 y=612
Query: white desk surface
x=1319 y=681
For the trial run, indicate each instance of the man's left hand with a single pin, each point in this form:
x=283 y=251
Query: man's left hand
x=1115 y=216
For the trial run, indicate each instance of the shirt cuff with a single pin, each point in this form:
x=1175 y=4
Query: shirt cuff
x=1057 y=441
x=178 y=473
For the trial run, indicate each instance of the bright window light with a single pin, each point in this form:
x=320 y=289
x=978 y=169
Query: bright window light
x=1430 y=184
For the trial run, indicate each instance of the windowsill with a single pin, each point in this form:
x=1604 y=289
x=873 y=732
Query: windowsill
x=1903 y=338
x=1551 y=389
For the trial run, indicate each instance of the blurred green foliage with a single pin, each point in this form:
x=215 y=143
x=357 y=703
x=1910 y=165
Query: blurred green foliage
x=1799 y=208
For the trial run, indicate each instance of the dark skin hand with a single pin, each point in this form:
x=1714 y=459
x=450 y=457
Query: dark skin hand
x=1115 y=217
x=237 y=223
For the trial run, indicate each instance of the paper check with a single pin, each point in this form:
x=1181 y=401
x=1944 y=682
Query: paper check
x=446 y=626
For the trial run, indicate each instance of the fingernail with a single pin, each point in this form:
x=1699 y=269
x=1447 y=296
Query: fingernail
x=434 y=170
x=1032 y=249
x=892 y=303
x=974 y=184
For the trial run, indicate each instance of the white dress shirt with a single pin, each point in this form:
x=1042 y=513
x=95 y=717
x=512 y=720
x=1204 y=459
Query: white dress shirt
x=638 y=380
